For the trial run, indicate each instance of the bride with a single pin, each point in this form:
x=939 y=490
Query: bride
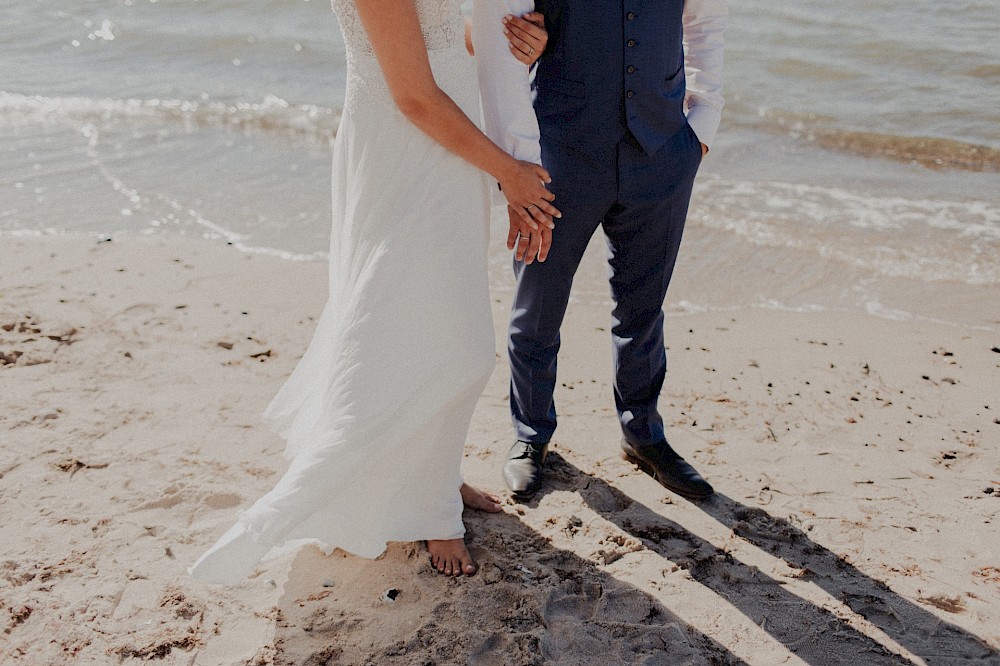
x=376 y=413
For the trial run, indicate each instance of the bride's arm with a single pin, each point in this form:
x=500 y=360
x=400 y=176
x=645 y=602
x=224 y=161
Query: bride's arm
x=393 y=30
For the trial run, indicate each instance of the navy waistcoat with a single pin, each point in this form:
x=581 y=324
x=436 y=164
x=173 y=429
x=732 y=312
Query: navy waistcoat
x=611 y=66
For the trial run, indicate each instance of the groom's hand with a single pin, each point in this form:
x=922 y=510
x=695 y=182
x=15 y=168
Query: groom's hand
x=528 y=244
x=527 y=36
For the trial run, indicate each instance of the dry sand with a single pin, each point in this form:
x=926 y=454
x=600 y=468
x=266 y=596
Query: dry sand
x=855 y=460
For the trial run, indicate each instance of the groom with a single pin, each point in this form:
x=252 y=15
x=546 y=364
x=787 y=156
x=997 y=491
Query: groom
x=628 y=100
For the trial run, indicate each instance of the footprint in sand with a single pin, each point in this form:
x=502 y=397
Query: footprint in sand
x=947 y=459
x=24 y=341
x=587 y=621
x=223 y=500
x=172 y=496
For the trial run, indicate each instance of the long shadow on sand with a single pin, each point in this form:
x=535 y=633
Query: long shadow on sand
x=813 y=633
x=530 y=604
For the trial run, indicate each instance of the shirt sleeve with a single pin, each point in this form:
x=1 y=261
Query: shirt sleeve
x=704 y=41
x=504 y=84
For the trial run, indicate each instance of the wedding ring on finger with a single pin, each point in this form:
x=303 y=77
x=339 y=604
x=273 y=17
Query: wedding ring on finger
x=530 y=206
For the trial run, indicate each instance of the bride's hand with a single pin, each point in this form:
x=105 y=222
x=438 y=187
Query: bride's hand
x=527 y=36
x=523 y=184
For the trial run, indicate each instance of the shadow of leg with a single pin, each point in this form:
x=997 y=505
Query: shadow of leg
x=530 y=603
x=814 y=634
x=917 y=629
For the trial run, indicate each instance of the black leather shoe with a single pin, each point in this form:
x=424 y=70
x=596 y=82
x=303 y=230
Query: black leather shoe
x=523 y=469
x=670 y=470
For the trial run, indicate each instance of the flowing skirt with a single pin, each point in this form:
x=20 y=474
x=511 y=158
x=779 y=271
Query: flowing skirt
x=376 y=413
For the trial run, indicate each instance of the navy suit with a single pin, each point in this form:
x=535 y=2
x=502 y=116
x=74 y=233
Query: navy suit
x=614 y=137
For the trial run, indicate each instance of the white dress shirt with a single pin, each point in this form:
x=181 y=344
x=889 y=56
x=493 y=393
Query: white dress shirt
x=505 y=84
x=504 y=81
x=704 y=27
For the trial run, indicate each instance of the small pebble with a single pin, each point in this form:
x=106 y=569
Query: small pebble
x=327 y=582
x=390 y=595
x=988 y=490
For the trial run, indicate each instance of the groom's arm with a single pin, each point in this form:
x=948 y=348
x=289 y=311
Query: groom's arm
x=704 y=41
x=508 y=115
x=504 y=83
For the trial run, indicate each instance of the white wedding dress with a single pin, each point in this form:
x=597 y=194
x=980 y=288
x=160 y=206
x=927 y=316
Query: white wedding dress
x=376 y=413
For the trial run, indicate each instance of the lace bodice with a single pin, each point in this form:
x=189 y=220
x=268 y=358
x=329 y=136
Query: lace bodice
x=444 y=34
x=440 y=21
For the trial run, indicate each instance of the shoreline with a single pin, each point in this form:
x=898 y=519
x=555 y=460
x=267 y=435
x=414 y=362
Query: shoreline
x=695 y=287
x=818 y=216
x=851 y=455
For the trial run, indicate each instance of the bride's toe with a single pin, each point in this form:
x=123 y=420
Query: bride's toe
x=480 y=500
x=491 y=497
x=451 y=558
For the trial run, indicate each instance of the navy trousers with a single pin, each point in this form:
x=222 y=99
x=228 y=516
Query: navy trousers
x=641 y=203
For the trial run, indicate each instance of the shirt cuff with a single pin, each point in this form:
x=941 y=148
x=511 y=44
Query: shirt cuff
x=704 y=120
x=527 y=149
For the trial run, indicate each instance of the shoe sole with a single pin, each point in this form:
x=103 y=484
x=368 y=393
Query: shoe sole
x=649 y=470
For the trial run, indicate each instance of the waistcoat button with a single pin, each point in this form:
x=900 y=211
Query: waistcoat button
x=631 y=69
x=630 y=42
x=630 y=16
x=630 y=94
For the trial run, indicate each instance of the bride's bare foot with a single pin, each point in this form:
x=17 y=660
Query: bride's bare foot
x=480 y=500
x=451 y=557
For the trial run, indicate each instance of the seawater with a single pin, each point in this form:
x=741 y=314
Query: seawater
x=858 y=164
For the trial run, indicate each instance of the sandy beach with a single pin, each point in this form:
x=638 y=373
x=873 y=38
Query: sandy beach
x=855 y=460
x=833 y=326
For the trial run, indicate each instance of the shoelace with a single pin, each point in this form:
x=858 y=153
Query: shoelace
x=530 y=449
